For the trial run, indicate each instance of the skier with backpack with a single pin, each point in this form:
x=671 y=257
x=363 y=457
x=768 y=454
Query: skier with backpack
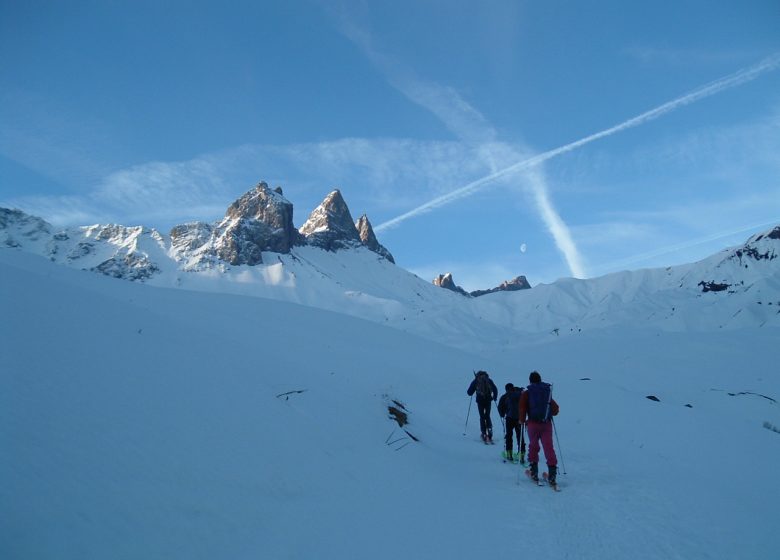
x=486 y=391
x=537 y=407
x=509 y=409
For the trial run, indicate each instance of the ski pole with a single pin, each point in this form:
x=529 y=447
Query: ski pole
x=555 y=430
x=522 y=442
x=521 y=463
x=467 y=415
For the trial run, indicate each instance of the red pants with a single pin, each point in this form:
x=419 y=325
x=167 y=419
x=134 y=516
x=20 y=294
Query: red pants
x=541 y=431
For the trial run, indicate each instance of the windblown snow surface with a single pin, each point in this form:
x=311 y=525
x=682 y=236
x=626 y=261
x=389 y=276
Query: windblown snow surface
x=143 y=422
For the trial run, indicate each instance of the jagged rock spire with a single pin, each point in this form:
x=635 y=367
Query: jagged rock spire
x=330 y=225
x=261 y=220
x=271 y=208
x=368 y=238
x=445 y=281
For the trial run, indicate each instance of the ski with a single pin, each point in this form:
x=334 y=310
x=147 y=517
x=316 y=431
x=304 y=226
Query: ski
x=553 y=485
x=538 y=482
x=515 y=458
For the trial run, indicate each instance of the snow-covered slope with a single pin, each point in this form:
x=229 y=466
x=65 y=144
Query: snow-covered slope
x=736 y=288
x=143 y=422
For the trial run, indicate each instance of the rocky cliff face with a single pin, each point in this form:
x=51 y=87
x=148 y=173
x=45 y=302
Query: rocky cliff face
x=446 y=281
x=18 y=228
x=271 y=209
x=518 y=283
x=259 y=221
x=330 y=225
x=368 y=238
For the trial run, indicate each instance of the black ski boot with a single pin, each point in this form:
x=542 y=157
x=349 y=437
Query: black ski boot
x=509 y=455
x=534 y=470
x=552 y=471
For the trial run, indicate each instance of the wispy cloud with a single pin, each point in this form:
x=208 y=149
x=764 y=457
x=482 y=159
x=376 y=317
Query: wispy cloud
x=376 y=176
x=36 y=134
x=733 y=80
x=633 y=260
x=468 y=124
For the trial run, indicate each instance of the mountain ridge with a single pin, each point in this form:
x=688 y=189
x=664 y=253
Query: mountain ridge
x=733 y=288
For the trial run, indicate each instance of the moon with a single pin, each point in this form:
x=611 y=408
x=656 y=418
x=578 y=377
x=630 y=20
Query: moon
x=523 y=248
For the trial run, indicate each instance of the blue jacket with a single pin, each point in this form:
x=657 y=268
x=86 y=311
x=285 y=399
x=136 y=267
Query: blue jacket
x=509 y=404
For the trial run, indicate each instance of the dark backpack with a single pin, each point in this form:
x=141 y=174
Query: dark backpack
x=482 y=386
x=539 y=397
x=513 y=402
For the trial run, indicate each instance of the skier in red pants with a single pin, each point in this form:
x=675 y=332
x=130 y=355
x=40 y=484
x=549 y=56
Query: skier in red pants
x=537 y=408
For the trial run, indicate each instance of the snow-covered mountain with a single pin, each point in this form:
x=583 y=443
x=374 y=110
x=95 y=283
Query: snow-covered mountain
x=146 y=422
x=333 y=263
x=246 y=389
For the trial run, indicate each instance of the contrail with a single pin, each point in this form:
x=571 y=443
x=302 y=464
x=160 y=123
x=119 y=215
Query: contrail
x=733 y=80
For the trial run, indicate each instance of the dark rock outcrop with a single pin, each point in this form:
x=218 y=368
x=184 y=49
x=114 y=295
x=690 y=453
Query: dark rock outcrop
x=190 y=236
x=330 y=225
x=774 y=234
x=368 y=238
x=242 y=241
x=26 y=228
x=518 y=283
x=445 y=281
x=269 y=207
x=131 y=266
x=713 y=286
x=261 y=220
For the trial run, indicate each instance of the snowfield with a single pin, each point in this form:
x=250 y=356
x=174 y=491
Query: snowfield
x=142 y=421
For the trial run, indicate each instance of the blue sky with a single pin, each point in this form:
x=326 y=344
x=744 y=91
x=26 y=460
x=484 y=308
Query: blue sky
x=157 y=113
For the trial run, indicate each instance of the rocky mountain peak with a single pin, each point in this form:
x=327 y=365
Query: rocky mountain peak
x=518 y=283
x=445 y=281
x=266 y=205
x=330 y=225
x=260 y=220
x=368 y=238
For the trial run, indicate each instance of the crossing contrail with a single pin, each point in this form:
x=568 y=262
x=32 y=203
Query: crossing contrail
x=732 y=80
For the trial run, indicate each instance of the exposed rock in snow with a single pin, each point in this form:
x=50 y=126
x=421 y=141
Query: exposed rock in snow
x=186 y=238
x=16 y=227
x=273 y=210
x=734 y=288
x=259 y=221
x=131 y=266
x=368 y=238
x=330 y=225
x=445 y=281
x=518 y=283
